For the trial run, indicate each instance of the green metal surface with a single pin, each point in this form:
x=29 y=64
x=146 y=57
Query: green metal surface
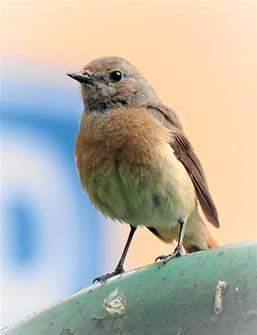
x=210 y=292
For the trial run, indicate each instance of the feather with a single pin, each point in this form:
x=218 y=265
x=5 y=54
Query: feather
x=184 y=152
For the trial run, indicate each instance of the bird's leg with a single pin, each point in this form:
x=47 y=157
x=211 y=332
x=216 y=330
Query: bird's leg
x=119 y=268
x=178 y=250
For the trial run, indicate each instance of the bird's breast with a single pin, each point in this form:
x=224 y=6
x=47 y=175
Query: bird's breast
x=129 y=170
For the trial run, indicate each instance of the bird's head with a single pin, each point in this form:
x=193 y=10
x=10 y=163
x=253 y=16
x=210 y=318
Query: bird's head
x=112 y=82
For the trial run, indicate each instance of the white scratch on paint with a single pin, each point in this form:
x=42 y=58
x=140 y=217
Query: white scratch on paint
x=219 y=293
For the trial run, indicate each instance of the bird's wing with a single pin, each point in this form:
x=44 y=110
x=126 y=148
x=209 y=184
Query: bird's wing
x=184 y=152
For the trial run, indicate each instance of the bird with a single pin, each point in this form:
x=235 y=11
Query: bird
x=136 y=163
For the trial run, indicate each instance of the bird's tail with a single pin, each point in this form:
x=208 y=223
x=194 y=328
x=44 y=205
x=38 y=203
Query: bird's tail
x=197 y=235
x=212 y=243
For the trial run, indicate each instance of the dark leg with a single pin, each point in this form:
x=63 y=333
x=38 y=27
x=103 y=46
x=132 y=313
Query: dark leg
x=119 y=268
x=178 y=250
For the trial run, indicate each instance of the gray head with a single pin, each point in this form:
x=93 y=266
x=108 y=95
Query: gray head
x=111 y=82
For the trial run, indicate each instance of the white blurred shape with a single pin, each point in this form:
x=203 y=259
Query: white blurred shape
x=32 y=167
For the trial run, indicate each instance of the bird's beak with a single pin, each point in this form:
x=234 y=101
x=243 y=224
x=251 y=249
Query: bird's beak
x=83 y=78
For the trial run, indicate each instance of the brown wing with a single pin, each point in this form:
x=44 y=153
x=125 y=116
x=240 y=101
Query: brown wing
x=186 y=155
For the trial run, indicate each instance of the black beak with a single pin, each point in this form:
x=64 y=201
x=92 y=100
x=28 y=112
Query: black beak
x=83 y=78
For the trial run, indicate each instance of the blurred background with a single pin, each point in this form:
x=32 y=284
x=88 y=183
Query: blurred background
x=201 y=57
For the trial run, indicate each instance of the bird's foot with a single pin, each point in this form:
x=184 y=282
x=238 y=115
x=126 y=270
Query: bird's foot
x=103 y=278
x=164 y=259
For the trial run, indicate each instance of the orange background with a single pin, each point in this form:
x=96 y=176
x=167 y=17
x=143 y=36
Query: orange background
x=201 y=59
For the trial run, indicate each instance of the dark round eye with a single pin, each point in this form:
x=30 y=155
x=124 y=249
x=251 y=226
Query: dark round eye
x=116 y=75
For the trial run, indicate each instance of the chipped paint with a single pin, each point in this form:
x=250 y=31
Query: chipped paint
x=115 y=303
x=66 y=332
x=179 y=331
x=219 y=293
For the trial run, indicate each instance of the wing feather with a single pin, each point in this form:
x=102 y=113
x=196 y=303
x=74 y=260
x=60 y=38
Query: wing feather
x=184 y=152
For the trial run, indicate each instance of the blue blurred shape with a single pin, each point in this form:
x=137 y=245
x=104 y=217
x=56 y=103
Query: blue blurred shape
x=51 y=241
x=25 y=240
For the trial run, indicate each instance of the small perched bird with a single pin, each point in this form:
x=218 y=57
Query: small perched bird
x=136 y=163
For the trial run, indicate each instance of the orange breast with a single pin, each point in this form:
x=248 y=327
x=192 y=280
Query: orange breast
x=129 y=170
x=130 y=137
x=133 y=135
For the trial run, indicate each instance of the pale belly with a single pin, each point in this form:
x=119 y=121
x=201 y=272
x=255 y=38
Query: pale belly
x=152 y=195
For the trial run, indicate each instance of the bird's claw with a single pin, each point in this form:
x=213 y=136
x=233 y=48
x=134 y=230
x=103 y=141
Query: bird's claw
x=164 y=259
x=103 y=278
x=160 y=258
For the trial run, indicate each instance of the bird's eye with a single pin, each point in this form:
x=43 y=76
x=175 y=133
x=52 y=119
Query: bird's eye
x=116 y=76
